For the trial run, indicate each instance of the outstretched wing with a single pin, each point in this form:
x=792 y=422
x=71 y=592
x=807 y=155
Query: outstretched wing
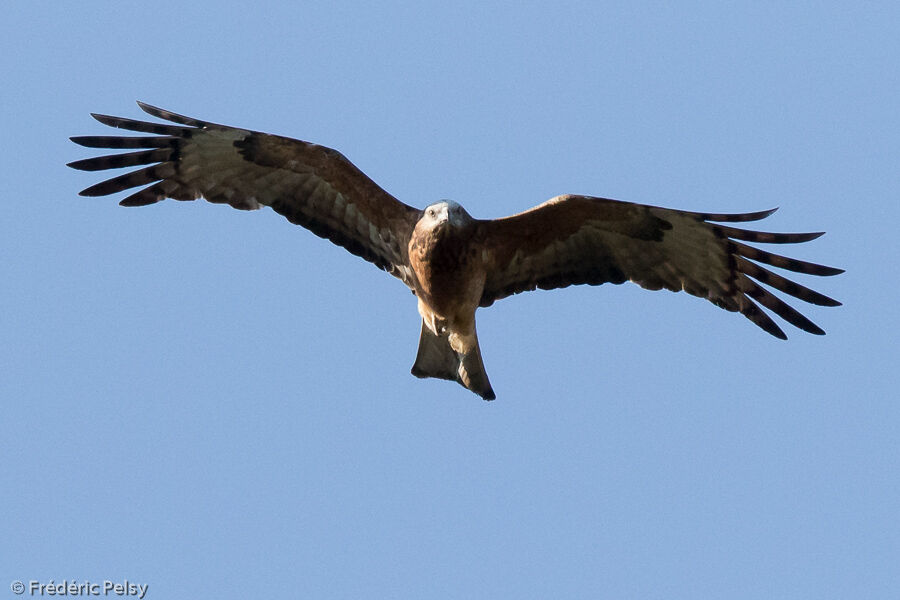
x=311 y=185
x=578 y=239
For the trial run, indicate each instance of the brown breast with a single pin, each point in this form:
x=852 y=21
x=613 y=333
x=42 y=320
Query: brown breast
x=449 y=276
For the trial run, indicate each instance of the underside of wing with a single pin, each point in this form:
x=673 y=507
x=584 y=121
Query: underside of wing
x=313 y=186
x=572 y=240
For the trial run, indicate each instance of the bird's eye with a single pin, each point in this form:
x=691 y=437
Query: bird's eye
x=430 y=212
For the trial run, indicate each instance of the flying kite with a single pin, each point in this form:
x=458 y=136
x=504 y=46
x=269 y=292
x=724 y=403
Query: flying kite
x=452 y=262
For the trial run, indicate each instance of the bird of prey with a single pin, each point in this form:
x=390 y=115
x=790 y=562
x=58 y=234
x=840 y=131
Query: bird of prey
x=452 y=262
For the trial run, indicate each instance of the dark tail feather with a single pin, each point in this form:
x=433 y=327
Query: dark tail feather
x=437 y=359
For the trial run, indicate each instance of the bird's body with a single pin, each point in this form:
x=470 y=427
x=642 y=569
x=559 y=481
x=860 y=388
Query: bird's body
x=449 y=275
x=454 y=263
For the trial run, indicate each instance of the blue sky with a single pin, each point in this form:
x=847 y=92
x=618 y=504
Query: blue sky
x=218 y=404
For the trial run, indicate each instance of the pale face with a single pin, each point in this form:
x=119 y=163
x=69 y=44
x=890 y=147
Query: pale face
x=443 y=212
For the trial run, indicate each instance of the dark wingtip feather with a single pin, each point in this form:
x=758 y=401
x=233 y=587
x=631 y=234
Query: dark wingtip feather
x=762 y=214
x=93 y=164
x=118 y=141
x=783 y=262
x=168 y=115
x=753 y=312
x=150 y=109
x=774 y=331
x=783 y=284
x=778 y=306
x=745 y=217
x=94 y=191
x=132 y=179
x=821 y=300
x=106 y=119
x=133 y=201
x=734 y=217
x=118 y=161
x=765 y=237
x=144 y=126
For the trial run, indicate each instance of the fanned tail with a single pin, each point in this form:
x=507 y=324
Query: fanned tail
x=436 y=358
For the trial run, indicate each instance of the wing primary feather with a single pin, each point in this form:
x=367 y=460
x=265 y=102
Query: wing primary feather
x=733 y=217
x=783 y=262
x=130 y=180
x=785 y=285
x=143 y=126
x=168 y=115
x=150 y=195
x=764 y=237
x=117 y=161
x=777 y=306
x=115 y=142
x=753 y=312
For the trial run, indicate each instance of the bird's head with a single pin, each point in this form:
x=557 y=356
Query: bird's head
x=446 y=213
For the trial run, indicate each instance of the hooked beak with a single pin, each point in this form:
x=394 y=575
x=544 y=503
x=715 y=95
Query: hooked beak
x=443 y=218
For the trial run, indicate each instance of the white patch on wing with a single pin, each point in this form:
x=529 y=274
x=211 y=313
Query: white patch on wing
x=350 y=217
x=362 y=224
x=700 y=264
x=338 y=206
